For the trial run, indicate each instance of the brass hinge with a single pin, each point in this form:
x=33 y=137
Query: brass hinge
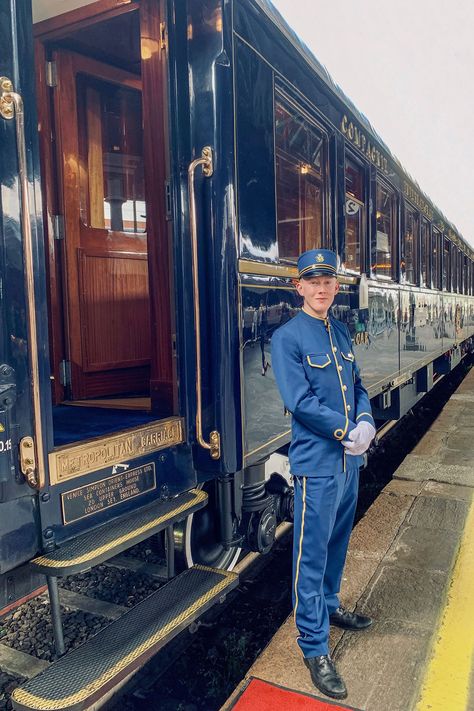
x=65 y=373
x=28 y=461
x=163 y=41
x=215 y=442
x=58 y=226
x=51 y=74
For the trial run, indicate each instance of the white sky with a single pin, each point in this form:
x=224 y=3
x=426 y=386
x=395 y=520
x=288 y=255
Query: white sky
x=409 y=67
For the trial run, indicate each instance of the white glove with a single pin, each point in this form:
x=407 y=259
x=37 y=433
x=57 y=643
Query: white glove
x=359 y=439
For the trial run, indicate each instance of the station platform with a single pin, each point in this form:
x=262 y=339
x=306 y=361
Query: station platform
x=410 y=566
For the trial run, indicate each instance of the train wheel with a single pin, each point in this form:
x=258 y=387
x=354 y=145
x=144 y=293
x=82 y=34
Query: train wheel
x=197 y=538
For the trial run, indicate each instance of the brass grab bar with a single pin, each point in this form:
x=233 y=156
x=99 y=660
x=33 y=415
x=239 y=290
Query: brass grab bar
x=206 y=160
x=31 y=461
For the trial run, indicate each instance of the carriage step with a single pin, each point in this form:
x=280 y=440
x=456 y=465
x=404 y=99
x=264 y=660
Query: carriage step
x=103 y=542
x=87 y=673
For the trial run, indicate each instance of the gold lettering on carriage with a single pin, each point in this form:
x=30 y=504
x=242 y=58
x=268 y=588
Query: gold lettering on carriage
x=354 y=134
x=76 y=460
x=414 y=197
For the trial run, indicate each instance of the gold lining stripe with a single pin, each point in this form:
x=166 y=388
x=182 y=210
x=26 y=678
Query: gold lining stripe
x=349 y=357
x=365 y=413
x=300 y=551
x=317 y=266
x=49 y=562
x=313 y=365
x=336 y=432
x=26 y=698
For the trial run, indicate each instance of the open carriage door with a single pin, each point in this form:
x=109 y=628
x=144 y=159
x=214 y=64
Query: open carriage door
x=98 y=118
x=24 y=368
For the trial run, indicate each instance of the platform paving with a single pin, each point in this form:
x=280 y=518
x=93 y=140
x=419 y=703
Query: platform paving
x=398 y=570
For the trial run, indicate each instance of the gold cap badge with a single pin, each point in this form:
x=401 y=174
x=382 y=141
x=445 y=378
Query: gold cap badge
x=319 y=258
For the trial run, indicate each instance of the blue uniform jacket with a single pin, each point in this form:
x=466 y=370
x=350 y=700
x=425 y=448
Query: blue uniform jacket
x=320 y=385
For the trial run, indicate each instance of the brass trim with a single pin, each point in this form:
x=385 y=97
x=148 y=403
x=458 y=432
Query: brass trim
x=52 y=562
x=11 y=104
x=266 y=444
x=76 y=460
x=28 y=460
x=247 y=266
x=100 y=481
x=28 y=699
x=206 y=161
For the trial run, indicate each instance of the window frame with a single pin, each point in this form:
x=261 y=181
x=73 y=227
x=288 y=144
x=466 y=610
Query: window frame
x=365 y=231
x=395 y=242
x=288 y=103
x=437 y=240
x=407 y=206
x=429 y=241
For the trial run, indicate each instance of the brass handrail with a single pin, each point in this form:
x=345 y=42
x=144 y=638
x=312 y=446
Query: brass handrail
x=32 y=465
x=206 y=160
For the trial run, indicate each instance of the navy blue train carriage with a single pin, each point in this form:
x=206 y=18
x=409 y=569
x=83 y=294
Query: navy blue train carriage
x=163 y=163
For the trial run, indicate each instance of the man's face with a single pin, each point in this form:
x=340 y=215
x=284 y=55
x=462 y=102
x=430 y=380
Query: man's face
x=318 y=293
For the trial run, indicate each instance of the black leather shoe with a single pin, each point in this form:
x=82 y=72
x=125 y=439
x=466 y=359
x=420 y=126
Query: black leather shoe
x=325 y=677
x=349 y=620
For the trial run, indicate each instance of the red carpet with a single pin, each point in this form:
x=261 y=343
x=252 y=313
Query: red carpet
x=259 y=695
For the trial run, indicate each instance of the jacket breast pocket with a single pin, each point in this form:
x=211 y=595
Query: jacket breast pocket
x=348 y=356
x=318 y=360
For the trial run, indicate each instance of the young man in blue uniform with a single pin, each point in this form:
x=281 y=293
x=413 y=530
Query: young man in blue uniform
x=332 y=426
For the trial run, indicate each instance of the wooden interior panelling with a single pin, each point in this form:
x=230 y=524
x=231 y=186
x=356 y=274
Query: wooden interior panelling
x=50 y=208
x=154 y=72
x=81 y=17
x=115 y=313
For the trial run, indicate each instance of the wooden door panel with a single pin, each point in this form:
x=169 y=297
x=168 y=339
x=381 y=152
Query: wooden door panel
x=114 y=308
x=105 y=246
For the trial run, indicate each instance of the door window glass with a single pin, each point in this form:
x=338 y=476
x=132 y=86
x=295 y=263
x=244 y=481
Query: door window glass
x=409 y=262
x=436 y=259
x=386 y=230
x=111 y=156
x=425 y=249
x=355 y=215
x=301 y=183
x=446 y=265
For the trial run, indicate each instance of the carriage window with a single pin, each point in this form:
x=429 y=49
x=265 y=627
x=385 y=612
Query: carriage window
x=300 y=176
x=355 y=215
x=436 y=265
x=465 y=274
x=454 y=268
x=386 y=231
x=446 y=265
x=111 y=155
x=425 y=253
x=409 y=262
x=460 y=273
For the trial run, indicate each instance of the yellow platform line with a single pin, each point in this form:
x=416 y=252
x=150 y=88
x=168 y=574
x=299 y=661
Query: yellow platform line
x=447 y=679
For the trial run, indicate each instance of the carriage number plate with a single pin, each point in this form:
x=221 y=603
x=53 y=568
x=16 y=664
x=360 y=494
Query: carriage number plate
x=101 y=495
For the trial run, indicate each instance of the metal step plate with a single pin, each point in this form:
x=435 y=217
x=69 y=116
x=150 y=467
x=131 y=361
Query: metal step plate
x=85 y=674
x=105 y=541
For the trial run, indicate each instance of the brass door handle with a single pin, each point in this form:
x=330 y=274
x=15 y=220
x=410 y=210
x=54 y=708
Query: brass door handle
x=206 y=160
x=11 y=106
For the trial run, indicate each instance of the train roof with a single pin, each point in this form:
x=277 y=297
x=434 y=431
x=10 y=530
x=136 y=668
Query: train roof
x=275 y=16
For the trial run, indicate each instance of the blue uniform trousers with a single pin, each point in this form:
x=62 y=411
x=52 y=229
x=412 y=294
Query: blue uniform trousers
x=324 y=515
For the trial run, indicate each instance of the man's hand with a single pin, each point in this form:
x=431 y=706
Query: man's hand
x=359 y=439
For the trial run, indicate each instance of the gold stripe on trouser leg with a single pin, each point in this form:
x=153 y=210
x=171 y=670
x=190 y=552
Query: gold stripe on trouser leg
x=300 y=550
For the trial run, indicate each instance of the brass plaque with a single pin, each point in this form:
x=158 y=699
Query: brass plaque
x=75 y=460
x=92 y=498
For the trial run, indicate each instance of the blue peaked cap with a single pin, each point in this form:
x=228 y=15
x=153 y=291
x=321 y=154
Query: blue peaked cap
x=317 y=262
